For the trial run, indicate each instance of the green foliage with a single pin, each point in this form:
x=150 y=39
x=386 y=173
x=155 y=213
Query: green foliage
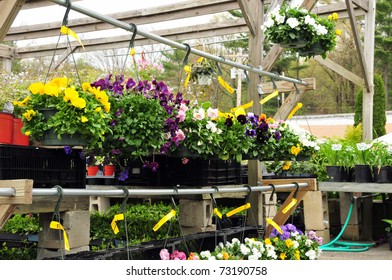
x=354 y=133
x=389 y=222
x=379 y=116
x=22 y=224
x=141 y=218
x=28 y=252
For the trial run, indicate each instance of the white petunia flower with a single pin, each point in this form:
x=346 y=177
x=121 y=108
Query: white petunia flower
x=293 y=22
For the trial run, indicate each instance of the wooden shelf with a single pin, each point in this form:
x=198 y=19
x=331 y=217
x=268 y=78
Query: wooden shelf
x=354 y=187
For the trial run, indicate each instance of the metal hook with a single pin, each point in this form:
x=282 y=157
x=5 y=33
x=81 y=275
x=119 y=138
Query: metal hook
x=132 y=42
x=249 y=193
x=273 y=191
x=58 y=204
x=188 y=51
x=274 y=86
x=214 y=204
x=296 y=191
x=124 y=202
x=296 y=89
x=65 y=19
x=172 y=198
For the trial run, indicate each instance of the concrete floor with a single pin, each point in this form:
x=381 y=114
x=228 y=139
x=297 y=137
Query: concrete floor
x=379 y=252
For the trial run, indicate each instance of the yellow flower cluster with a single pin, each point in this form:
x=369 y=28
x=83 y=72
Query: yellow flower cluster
x=335 y=16
x=99 y=95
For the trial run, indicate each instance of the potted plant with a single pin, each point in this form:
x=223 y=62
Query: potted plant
x=363 y=158
x=334 y=156
x=144 y=121
x=202 y=71
x=382 y=162
x=298 y=29
x=389 y=231
x=60 y=113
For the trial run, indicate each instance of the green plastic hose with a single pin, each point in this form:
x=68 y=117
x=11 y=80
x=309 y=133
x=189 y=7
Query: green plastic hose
x=341 y=246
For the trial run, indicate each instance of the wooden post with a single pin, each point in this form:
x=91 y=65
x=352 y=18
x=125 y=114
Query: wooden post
x=254 y=16
x=23 y=195
x=8 y=11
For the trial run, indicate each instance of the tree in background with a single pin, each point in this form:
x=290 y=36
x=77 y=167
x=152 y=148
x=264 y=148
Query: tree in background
x=379 y=115
x=383 y=44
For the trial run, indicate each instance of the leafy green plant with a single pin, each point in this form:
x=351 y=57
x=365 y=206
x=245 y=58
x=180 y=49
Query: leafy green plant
x=203 y=67
x=22 y=224
x=389 y=222
x=140 y=218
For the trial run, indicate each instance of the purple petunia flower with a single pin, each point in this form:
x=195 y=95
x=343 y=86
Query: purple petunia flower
x=123 y=175
x=67 y=150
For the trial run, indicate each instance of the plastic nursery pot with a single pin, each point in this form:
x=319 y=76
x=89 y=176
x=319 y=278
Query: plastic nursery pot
x=6 y=128
x=92 y=170
x=18 y=138
x=109 y=170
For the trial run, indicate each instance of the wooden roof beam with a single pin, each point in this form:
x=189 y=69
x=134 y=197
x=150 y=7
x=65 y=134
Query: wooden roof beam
x=340 y=70
x=139 y=17
x=358 y=45
x=177 y=34
x=8 y=11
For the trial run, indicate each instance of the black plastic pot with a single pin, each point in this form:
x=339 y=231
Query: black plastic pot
x=363 y=174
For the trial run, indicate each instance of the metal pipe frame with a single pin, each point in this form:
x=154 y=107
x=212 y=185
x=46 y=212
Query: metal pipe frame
x=173 y=44
x=10 y=192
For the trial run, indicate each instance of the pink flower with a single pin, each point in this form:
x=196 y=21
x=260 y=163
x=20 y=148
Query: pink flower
x=180 y=135
x=181 y=116
x=177 y=255
x=212 y=113
x=185 y=160
x=164 y=254
x=199 y=114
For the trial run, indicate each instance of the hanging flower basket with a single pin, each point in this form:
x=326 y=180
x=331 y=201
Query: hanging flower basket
x=297 y=29
x=204 y=80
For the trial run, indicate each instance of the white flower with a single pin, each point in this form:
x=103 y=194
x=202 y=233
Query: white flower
x=336 y=147
x=308 y=243
x=363 y=146
x=199 y=114
x=311 y=254
x=309 y=20
x=295 y=244
x=321 y=29
x=268 y=23
x=244 y=250
x=212 y=258
x=219 y=256
x=279 y=18
x=212 y=113
x=211 y=126
x=292 y=22
x=205 y=254
x=253 y=257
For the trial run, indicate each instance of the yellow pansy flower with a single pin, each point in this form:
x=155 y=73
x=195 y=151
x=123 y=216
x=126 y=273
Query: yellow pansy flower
x=84 y=119
x=98 y=109
x=61 y=83
x=35 y=88
x=289 y=243
x=225 y=255
x=51 y=89
x=296 y=255
x=132 y=52
x=70 y=93
x=295 y=150
x=335 y=16
x=338 y=32
x=239 y=111
x=78 y=102
x=267 y=241
x=286 y=165
x=107 y=107
x=282 y=256
x=86 y=86
x=27 y=133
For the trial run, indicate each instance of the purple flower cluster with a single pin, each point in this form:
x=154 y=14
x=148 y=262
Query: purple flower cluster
x=288 y=229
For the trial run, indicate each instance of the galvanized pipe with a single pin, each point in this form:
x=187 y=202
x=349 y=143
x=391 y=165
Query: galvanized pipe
x=56 y=191
x=174 y=44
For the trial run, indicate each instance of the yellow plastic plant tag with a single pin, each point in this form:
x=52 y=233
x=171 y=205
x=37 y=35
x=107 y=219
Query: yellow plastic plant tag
x=217 y=213
x=238 y=209
x=58 y=226
x=275 y=225
x=166 y=218
x=188 y=70
x=117 y=217
x=132 y=52
x=269 y=96
x=289 y=206
x=67 y=31
x=245 y=106
x=225 y=85
x=299 y=106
